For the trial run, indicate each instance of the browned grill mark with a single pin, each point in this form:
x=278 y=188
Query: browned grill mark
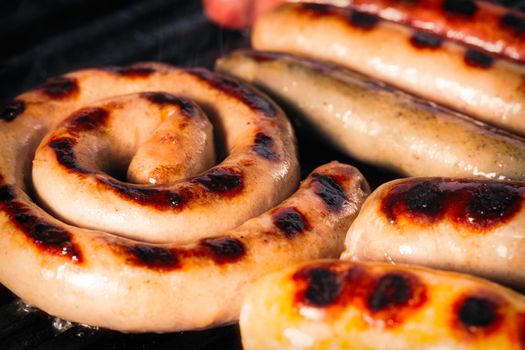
x=60 y=87
x=387 y=298
x=261 y=56
x=321 y=286
x=161 y=199
x=329 y=190
x=463 y=8
x=290 y=221
x=264 y=146
x=133 y=71
x=222 y=180
x=87 y=119
x=224 y=250
x=316 y=8
x=475 y=204
x=237 y=90
x=45 y=236
x=478 y=59
x=514 y=22
x=478 y=314
x=152 y=257
x=421 y=40
x=187 y=107
x=65 y=153
x=12 y=110
x=363 y=20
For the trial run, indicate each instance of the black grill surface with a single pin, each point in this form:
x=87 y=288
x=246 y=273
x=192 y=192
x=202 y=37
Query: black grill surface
x=45 y=38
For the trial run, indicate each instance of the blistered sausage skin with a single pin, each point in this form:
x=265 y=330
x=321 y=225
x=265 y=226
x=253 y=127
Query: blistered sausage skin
x=482 y=24
x=342 y=305
x=468 y=225
x=466 y=80
x=377 y=124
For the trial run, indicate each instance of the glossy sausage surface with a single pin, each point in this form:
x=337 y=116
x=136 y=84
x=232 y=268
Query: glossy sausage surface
x=466 y=80
x=341 y=305
x=377 y=124
x=467 y=225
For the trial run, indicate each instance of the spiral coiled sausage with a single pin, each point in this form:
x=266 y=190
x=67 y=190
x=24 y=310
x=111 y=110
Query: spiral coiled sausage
x=96 y=277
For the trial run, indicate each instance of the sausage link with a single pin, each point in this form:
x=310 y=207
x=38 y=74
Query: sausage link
x=464 y=79
x=466 y=225
x=332 y=304
x=379 y=125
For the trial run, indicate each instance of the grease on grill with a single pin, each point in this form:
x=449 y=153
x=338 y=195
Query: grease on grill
x=87 y=119
x=222 y=180
x=46 y=237
x=155 y=258
x=290 y=221
x=187 y=107
x=478 y=59
x=322 y=286
x=475 y=204
x=60 y=87
x=329 y=190
x=134 y=71
x=477 y=315
x=237 y=90
x=363 y=20
x=12 y=110
x=422 y=40
x=264 y=146
x=464 y=8
x=224 y=249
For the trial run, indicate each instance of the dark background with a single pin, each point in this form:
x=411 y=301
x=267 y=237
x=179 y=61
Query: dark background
x=40 y=39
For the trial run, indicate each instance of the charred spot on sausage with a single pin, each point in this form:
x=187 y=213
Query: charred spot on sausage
x=132 y=71
x=323 y=286
x=390 y=290
x=153 y=257
x=12 y=110
x=237 y=90
x=425 y=198
x=63 y=148
x=478 y=59
x=493 y=202
x=330 y=191
x=224 y=249
x=163 y=98
x=464 y=8
x=514 y=22
x=59 y=87
x=264 y=146
x=87 y=119
x=221 y=180
x=363 y=20
x=290 y=221
x=422 y=40
x=477 y=315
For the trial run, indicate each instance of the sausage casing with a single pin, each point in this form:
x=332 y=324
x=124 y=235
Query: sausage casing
x=377 y=124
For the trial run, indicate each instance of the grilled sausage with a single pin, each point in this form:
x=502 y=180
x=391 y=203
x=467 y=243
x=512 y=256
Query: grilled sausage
x=376 y=124
x=342 y=305
x=469 y=225
x=259 y=171
x=467 y=80
x=101 y=279
x=488 y=26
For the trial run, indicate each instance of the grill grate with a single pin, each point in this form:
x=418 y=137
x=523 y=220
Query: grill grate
x=50 y=37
